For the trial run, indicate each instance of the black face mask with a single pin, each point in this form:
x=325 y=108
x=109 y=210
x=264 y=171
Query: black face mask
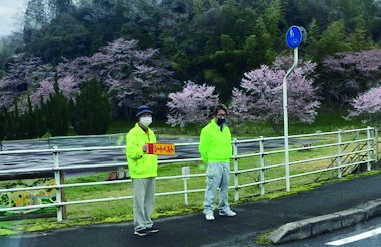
x=221 y=121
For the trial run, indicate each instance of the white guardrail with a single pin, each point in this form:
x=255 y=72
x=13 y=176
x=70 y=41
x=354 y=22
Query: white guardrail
x=369 y=155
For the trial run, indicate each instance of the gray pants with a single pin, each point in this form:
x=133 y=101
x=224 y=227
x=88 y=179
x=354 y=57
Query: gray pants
x=217 y=176
x=144 y=201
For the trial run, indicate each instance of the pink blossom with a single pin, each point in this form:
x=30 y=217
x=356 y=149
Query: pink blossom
x=131 y=76
x=261 y=94
x=350 y=72
x=368 y=106
x=192 y=105
x=365 y=63
x=67 y=85
x=45 y=89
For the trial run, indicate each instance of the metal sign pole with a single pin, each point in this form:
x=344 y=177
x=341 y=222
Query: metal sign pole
x=185 y=174
x=294 y=37
x=285 y=120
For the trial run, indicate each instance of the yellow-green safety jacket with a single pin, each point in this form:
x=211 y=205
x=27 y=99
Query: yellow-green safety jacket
x=215 y=145
x=140 y=164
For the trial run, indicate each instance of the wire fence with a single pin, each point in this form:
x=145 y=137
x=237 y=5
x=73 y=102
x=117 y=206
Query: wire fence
x=258 y=171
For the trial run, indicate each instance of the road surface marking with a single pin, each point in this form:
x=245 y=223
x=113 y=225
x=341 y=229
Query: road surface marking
x=356 y=237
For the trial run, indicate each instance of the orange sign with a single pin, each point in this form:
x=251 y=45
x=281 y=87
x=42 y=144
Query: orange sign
x=161 y=149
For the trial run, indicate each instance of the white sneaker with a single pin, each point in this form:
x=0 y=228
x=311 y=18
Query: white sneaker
x=209 y=216
x=228 y=212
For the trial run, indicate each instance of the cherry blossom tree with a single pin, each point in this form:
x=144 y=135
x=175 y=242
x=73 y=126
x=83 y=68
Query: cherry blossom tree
x=260 y=97
x=67 y=85
x=24 y=74
x=346 y=74
x=367 y=106
x=193 y=105
x=129 y=75
x=365 y=63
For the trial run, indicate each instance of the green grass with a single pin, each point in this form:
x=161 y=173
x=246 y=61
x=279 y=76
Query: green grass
x=328 y=119
x=120 y=127
x=325 y=121
x=262 y=239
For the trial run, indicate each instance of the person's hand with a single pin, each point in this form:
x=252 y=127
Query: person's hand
x=145 y=148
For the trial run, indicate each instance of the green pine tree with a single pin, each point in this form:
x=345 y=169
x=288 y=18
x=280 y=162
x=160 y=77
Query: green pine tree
x=3 y=123
x=360 y=40
x=227 y=43
x=30 y=117
x=14 y=125
x=312 y=40
x=92 y=112
x=250 y=52
x=57 y=112
x=332 y=41
x=8 y=118
x=268 y=33
x=41 y=127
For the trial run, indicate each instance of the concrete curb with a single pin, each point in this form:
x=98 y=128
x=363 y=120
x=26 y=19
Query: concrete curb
x=326 y=223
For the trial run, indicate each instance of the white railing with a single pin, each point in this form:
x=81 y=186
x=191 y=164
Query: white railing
x=364 y=156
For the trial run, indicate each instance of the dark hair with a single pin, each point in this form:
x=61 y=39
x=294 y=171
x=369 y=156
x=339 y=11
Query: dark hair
x=220 y=107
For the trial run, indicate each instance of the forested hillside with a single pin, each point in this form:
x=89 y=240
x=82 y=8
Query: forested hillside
x=140 y=51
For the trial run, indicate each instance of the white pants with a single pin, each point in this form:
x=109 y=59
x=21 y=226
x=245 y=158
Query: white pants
x=144 y=201
x=217 y=176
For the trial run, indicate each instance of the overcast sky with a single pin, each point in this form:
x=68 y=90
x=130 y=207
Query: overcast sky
x=8 y=10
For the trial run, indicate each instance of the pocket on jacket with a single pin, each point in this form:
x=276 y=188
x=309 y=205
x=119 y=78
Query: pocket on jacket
x=141 y=165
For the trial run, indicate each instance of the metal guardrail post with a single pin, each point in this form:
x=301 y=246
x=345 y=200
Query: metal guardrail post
x=186 y=191
x=339 y=152
x=376 y=142
x=262 y=163
x=358 y=147
x=235 y=157
x=185 y=174
x=368 y=134
x=61 y=214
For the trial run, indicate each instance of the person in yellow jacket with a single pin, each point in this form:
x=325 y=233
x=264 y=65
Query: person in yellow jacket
x=216 y=150
x=143 y=171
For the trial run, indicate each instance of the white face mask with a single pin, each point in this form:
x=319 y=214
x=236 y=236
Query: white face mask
x=146 y=121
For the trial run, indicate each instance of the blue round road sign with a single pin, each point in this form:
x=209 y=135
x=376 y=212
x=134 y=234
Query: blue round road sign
x=294 y=37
